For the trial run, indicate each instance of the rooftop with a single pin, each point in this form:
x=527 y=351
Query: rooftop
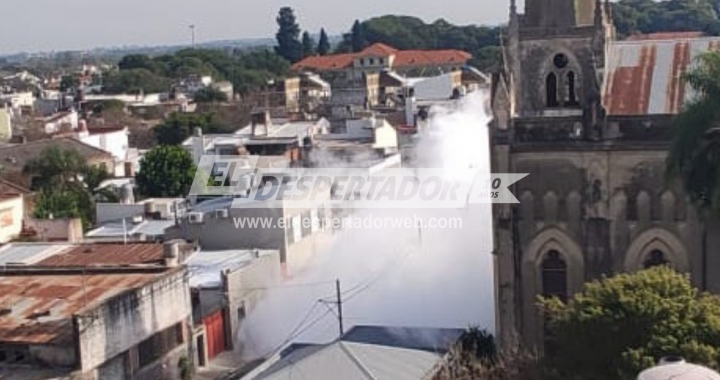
x=205 y=267
x=403 y=58
x=15 y=157
x=367 y=352
x=644 y=75
x=38 y=309
x=116 y=229
x=111 y=254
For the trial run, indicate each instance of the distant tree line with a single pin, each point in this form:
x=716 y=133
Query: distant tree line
x=246 y=70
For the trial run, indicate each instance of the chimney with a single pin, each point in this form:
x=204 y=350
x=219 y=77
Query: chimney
x=171 y=253
x=410 y=104
x=198 y=144
x=261 y=118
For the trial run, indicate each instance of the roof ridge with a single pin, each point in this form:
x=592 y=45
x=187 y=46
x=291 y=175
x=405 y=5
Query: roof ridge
x=350 y=354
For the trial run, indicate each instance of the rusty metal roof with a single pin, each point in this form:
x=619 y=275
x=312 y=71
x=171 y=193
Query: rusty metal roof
x=644 y=76
x=101 y=254
x=38 y=309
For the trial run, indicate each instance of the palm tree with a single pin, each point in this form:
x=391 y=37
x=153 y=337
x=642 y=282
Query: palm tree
x=695 y=153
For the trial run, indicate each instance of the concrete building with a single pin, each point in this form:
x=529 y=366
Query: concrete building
x=95 y=312
x=590 y=119
x=262 y=137
x=6 y=116
x=213 y=225
x=226 y=285
x=12 y=213
x=378 y=57
x=114 y=140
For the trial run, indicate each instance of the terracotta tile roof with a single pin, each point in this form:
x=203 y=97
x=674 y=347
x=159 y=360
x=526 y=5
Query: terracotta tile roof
x=644 y=77
x=326 y=63
x=107 y=255
x=38 y=309
x=408 y=58
x=403 y=58
x=378 y=49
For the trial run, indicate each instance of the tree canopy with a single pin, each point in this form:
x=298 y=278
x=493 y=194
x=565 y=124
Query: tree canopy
x=289 y=45
x=619 y=326
x=65 y=184
x=246 y=70
x=166 y=172
x=179 y=126
x=695 y=154
x=308 y=44
x=323 y=43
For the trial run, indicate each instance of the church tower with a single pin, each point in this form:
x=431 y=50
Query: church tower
x=545 y=102
x=556 y=52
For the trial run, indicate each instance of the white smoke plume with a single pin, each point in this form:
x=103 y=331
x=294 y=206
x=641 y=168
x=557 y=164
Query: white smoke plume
x=395 y=277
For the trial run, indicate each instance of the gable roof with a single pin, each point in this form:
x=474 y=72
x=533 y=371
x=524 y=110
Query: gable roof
x=367 y=353
x=14 y=157
x=644 y=76
x=403 y=58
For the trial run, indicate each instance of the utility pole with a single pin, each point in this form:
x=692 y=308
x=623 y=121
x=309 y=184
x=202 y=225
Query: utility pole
x=339 y=305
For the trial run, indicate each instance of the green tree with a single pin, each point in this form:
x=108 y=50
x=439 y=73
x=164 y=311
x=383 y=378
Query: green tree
x=210 y=95
x=166 y=172
x=65 y=184
x=289 y=45
x=324 y=43
x=135 y=81
x=359 y=41
x=695 y=153
x=619 y=326
x=179 y=126
x=308 y=45
x=69 y=83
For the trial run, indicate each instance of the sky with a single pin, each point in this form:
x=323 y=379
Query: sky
x=52 y=25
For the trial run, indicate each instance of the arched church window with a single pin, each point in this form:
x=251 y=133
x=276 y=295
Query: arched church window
x=551 y=87
x=572 y=91
x=656 y=259
x=554 y=276
x=561 y=61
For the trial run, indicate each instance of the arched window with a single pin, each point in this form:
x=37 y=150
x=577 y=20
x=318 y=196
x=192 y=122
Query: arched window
x=554 y=276
x=551 y=88
x=572 y=91
x=655 y=259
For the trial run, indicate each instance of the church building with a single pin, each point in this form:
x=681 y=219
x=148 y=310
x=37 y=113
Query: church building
x=589 y=117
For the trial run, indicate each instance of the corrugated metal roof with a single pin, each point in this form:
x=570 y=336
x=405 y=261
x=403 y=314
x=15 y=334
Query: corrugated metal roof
x=644 y=77
x=205 y=266
x=38 y=309
x=367 y=353
x=29 y=253
x=117 y=230
x=107 y=255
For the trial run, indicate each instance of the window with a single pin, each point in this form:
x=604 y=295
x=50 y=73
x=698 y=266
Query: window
x=572 y=93
x=160 y=344
x=362 y=61
x=382 y=61
x=551 y=90
x=656 y=259
x=372 y=61
x=554 y=276
x=561 y=61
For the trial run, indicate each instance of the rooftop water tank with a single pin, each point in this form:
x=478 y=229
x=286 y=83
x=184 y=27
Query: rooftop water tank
x=677 y=369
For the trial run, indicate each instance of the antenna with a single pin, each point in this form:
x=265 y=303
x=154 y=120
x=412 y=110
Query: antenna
x=192 y=34
x=339 y=305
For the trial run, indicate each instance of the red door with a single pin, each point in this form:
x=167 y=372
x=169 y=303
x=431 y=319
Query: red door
x=215 y=332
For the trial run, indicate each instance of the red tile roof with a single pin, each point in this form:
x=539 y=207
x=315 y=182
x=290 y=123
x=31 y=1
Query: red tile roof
x=403 y=58
x=104 y=130
x=378 y=49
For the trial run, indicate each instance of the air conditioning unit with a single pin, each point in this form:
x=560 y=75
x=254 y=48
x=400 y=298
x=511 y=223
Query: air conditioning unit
x=195 y=218
x=222 y=214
